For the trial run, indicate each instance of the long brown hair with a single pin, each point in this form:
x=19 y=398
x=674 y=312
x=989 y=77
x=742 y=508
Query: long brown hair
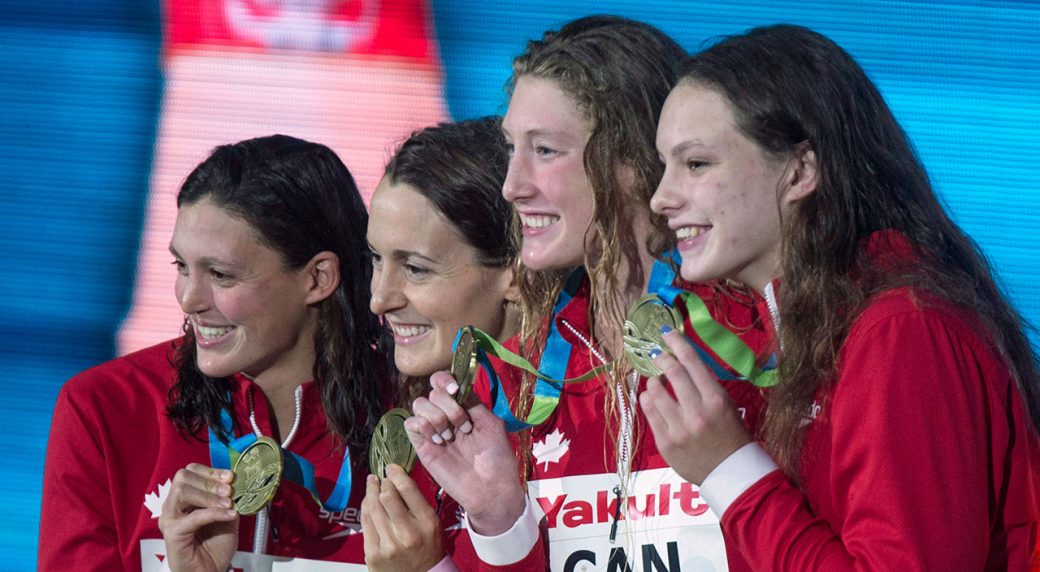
x=619 y=72
x=790 y=86
x=300 y=199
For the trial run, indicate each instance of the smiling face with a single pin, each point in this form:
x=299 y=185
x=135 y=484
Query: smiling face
x=248 y=312
x=546 y=181
x=427 y=281
x=721 y=192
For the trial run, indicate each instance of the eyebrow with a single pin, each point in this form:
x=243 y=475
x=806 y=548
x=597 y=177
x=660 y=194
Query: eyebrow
x=207 y=260
x=685 y=145
x=402 y=254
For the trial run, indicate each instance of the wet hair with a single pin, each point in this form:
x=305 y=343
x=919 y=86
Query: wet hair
x=300 y=200
x=460 y=168
x=618 y=72
x=789 y=86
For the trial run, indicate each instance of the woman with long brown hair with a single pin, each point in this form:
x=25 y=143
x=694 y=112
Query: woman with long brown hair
x=902 y=434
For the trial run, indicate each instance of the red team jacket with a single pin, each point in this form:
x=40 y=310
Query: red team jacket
x=920 y=457
x=665 y=524
x=113 y=452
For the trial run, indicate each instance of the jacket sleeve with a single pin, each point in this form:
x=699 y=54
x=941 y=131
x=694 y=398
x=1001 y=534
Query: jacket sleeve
x=77 y=525
x=909 y=426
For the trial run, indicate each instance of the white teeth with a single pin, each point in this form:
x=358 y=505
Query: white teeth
x=208 y=333
x=409 y=331
x=688 y=232
x=538 y=221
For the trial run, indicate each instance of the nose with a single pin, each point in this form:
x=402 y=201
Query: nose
x=386 y=291
x=192 y=294
x=518 y=177
x=665 y=200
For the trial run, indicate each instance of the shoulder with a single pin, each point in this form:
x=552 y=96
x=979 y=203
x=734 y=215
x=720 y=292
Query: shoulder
x=915 y=332
x=148 y=371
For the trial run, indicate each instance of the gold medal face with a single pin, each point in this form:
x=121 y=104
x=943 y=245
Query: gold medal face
x=390 y=444
x=464 y=364
x=643 y=331
x=258 y=471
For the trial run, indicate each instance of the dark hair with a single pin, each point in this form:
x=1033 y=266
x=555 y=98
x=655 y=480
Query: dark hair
x=300 y=199
x=460 y=168
x=790 y=86
x=618 y=72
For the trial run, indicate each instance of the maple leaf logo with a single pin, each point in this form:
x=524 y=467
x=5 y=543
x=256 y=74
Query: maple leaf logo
x=551 y=449
x=154 y=501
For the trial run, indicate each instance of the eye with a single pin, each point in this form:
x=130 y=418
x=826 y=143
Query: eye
x=181 y=267
x=415 y=271
x=543 y=151
x=220 y=277
x=510 y=149
x=695 y=164
x=375 y=257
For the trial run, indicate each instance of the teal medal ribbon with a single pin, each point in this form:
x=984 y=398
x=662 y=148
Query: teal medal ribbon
x=296 y=469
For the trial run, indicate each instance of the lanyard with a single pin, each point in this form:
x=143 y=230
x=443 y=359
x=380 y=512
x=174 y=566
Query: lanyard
x=296 y=469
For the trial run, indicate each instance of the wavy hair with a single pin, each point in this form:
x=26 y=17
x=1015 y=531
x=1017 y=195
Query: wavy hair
x=790 y=86
x=300 y=199
x=618 y=72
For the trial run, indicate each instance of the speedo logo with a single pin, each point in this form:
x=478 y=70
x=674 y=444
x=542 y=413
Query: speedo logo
x=571 y=502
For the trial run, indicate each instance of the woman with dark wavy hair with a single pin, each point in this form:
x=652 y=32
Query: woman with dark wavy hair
x=902 y=434
x=273 y=279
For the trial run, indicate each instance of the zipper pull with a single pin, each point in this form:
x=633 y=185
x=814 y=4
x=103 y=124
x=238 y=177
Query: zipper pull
x=617 y=513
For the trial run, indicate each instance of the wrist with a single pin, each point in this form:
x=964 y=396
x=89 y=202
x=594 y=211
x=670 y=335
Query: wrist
x=498 y=517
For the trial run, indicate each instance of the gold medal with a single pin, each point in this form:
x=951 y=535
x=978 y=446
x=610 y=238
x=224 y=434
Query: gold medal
x=643 y=331
x=258 y=471
x=464 y=364
x=390 y=443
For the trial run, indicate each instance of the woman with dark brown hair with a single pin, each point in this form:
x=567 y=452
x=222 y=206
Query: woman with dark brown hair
x=902 y=434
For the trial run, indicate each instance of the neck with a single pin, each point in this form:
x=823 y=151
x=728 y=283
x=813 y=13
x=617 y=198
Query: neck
x=279 y=388
x=633 y=276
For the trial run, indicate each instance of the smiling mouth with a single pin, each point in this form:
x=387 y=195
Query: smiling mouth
x=688 y=232
x=409 y=331
x=209 y=332
x=538 y=221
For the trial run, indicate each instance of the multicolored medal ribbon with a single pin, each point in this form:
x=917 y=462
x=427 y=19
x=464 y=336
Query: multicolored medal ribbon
x=724 y=353
x=292 y=467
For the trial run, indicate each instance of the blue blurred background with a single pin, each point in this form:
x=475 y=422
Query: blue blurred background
x=82 y=89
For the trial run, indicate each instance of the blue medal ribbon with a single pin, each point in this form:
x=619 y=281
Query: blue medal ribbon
x=295 y=468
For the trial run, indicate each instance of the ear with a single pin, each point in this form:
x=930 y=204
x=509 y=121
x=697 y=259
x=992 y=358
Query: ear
x=321 y=276
x=803 y=174
x=513 y=290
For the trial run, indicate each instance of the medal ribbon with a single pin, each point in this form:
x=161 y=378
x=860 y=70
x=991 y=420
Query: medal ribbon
x=295 y=468
x=555 y=357
x=730 y=349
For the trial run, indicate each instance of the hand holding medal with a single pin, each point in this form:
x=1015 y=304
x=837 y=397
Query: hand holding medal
x=390 y=444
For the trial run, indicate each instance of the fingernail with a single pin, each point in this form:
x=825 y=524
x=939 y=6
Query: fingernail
x=446 y=434
x=225 y=502
x=466 y=427
x=655 y=352
x=231 y=512
x=452 y=388
x=665 y=329
x=436 y=439
x=226 y=476
x=223 y=490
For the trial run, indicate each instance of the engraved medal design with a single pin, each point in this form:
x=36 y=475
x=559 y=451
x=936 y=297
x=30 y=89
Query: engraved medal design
x=643 y=331
x=258 y=472
x=390 y=443
x=464 y=364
